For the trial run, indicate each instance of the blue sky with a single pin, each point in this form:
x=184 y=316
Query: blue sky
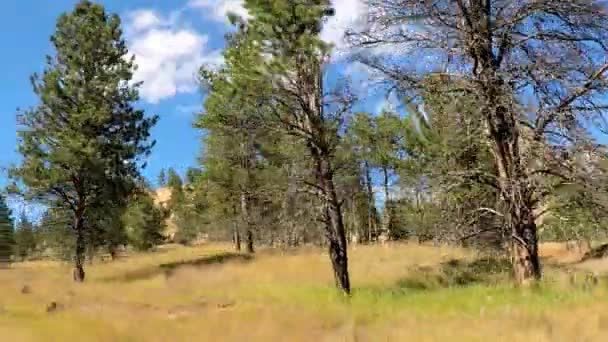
x=170 y=40
x=26 y=27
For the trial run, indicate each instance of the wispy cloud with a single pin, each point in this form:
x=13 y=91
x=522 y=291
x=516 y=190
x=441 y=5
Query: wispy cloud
x=189 y=109
x=218 y=10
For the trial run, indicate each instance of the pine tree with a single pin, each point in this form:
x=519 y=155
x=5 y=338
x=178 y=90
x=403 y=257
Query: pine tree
x=6 y=234
x=144 y=222
x=55 y=234
x=83 y=143
x=162 y=178
x=175 y=183
x=278 y=68
x=25 y=242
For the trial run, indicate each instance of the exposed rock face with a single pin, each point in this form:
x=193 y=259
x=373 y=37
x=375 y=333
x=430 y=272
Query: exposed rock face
x=161 y=198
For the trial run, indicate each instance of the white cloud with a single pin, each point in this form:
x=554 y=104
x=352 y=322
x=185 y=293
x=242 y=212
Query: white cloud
x=143 y=19
x=168 y=57
x=218 y=9
x=349 y=15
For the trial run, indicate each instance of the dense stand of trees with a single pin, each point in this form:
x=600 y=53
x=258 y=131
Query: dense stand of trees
x=494 y=143
x=497 y=127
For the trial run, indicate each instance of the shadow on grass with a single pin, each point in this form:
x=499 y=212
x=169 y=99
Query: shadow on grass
x=167 y=269
x=456 y=273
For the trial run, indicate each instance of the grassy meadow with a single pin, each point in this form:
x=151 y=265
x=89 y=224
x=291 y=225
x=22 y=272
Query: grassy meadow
x=402 y=292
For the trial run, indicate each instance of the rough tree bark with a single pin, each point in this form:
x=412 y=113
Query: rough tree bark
x=512 y=177
x=334 y=223
x=526 y=264
x=512 y=53
x=79 y=254
x=248 y=222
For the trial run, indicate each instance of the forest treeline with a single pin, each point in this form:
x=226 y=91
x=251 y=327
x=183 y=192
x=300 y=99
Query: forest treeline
x=496 y=142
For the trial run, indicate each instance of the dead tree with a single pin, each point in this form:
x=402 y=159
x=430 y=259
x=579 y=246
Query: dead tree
x=538 y=70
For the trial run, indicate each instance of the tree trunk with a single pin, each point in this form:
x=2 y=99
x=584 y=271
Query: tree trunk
x=526 y=264
x=371 y=208
x=237 y=240
x=236 y=234
x=250 y=241
x=248 y=223
x=387 y=205
x=248 y=163
x=295 y=240
x=80 y=249
x=112 y=253
x=334 y=223
x=513 y=183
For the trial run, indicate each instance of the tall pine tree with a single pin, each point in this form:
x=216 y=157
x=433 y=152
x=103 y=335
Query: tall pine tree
x=25 y=241
x=83 y=144
x=279 y=68
x=6 y=234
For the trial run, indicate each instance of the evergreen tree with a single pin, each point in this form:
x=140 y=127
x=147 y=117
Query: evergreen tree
x=174 y=181
x=6 y=234
x=193 y=175
x=25 y=242
x=162 y=178
x=276 y=69
x=144 y=222
x=82 y=145
x=55 y=236
x=379 y=144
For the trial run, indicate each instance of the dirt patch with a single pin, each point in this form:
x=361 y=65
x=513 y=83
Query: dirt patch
x=563 y=252
x=183 y=311
x=597 y=253
x=193 y=309
x=168 y=269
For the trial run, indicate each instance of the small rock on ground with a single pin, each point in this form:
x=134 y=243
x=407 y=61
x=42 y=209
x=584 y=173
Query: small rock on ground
x=53 y=307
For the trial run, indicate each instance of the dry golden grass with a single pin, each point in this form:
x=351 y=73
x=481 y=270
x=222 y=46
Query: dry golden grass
x=401 y=293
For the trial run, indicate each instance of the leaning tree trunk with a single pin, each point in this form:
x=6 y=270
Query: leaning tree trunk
x=334 y=223
x=79 y=256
